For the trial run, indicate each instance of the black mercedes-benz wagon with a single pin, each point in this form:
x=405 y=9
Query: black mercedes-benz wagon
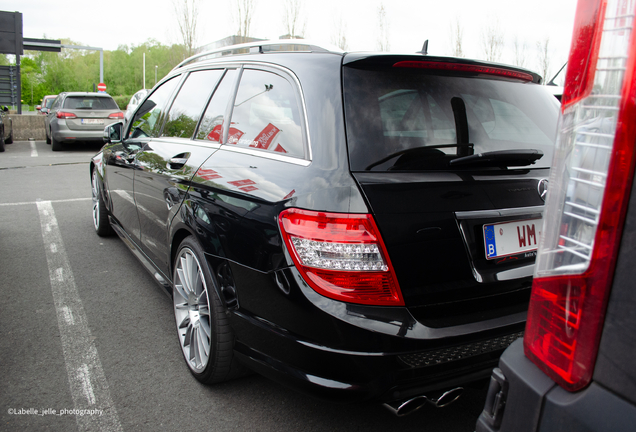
x=360 y=226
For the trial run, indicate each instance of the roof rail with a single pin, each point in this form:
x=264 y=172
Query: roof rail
x=262 y=47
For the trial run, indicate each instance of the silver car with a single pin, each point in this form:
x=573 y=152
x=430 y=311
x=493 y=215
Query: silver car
x=80 y=117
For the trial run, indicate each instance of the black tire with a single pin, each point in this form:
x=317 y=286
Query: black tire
x=48 y=138
x=55 y=144
x=1 y=141
x=10 y=139
x=197 y=305
x=100 y=214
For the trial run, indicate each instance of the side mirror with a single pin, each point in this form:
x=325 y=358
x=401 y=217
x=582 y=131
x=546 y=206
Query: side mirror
x=44 y=110
x=113 y=132
x=39 y=107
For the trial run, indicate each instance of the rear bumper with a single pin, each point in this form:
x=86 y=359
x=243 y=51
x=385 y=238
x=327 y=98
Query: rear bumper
x=352 y=376
x=347 y=353
x=62 y=133
x=533 y=402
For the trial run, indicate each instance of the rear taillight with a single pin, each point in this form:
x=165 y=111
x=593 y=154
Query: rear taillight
x=65 y=115
x=117 y=115
x=590 y=183
x=341 y=256
x=460 y=67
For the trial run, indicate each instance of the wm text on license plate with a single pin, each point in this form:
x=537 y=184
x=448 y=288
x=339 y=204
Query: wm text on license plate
x=511 y=238
x=92 y=121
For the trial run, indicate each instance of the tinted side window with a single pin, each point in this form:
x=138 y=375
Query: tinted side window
x=147 y=118
x=266 y=114
x=188 y=105
x=211 y=128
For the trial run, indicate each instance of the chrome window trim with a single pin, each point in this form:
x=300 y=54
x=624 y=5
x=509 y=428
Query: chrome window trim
x=188 y=141
x=265 y=154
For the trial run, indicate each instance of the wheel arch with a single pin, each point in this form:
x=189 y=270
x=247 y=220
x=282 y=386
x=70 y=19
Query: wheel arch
x=180 y=234
x=181 y=231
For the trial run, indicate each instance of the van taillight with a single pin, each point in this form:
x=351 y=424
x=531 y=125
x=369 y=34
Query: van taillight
x=341 y=256
x=590 y=183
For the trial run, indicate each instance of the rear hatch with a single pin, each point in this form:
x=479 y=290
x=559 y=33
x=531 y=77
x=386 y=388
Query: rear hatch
x=452 y=158
x=92 y=112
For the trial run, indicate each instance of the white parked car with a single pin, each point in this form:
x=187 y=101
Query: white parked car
x=135 y=101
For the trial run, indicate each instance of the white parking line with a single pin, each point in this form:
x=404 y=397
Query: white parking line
x=88 y=384
x=36 y=202
x=34 y=151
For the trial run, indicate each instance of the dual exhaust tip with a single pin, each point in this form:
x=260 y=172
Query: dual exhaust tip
x=406 y=407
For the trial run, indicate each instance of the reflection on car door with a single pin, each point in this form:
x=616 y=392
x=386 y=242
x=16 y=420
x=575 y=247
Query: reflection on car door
x=120 y=166
x=121 y=160
x=168 y=162
x=165 y=168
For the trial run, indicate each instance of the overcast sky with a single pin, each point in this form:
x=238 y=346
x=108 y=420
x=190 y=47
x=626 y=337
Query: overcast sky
x=112 y=23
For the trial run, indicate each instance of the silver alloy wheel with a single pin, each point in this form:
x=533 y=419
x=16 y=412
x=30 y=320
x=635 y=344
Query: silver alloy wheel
x=192 y=310
x=95 y=190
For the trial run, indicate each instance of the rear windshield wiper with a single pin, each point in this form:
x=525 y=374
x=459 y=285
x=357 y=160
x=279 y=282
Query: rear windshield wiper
x=420 y=149
x=501 y=158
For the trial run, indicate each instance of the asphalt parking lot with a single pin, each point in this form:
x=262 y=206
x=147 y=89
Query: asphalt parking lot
x=88 y=340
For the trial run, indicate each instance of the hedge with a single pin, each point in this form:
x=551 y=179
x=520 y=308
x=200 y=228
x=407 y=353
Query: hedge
x=122 y=101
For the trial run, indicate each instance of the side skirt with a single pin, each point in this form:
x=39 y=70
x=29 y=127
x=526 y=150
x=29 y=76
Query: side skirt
x=164 y=281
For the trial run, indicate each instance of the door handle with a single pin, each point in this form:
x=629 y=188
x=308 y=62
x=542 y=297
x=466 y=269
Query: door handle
x=178 y=161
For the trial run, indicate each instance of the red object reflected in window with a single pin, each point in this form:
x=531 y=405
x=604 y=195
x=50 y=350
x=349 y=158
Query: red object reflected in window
x=241 y=183
x=233 y=137
x=266 y=137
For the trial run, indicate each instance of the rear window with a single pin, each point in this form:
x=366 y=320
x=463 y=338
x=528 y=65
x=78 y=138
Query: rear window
x=391 y=112
x=90 y=103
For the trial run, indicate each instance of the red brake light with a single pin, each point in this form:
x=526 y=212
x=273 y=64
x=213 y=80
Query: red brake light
x=460 y=67
x=65 y=115
x=341 y=256
x=590 y=184
x=117 y=115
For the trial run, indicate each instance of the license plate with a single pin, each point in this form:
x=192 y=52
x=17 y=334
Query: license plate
x=512 y=238
x=92 y=121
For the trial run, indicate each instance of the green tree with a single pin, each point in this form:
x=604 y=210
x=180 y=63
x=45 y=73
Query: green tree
x=32 y=88
x=78 y=70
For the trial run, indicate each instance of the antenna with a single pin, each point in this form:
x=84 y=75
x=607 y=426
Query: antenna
x=424 y=48
x=551 y=83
